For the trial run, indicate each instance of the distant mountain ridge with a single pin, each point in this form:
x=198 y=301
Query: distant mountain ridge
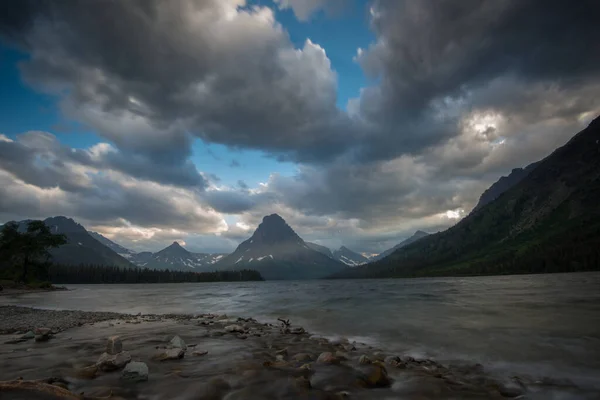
x=503 y=184
x=343 y=254
x=175 y=257
x=117 y=248
x=349 y=257
x=277 y=252
x=548 y=222
x=81 y=247
x=416 y=236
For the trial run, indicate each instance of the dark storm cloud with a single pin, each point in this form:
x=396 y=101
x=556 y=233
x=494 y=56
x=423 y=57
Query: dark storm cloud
x=430 y=53
x=462 y=92
x=39 y=159
x=159 y=70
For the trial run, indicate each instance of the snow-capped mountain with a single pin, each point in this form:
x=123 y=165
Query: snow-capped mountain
x=277 y=252
x=349 y=257
x=173 y=257
x=176 y=257
x=343 y=254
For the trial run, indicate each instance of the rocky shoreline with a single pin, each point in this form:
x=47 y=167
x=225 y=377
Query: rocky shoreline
x=208 y=356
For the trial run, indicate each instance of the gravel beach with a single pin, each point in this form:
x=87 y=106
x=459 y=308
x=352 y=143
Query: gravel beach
x=209 y=356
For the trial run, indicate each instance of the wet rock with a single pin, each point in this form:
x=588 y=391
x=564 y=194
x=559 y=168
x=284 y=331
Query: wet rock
x=279 y=357
x=178 y=343
x=135 y=372
x=112 y=362
x=114 y=345
x=302 y=357
x=364 y=360
x=392 y=360
x=302 y=382
x=199 y=353
x=234 y=329
x=374 y=375
x=42 y=334
x=170 y=354
x=283 y=352
x=327 y=358
x=28 y=335
x=297 y=331
x=218 y=333
x=88 y=372
x=349 y=347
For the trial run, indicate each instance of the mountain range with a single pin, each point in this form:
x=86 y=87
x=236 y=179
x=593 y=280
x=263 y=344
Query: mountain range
x=277 y=252
x=541 y=218
x=547 y=221
x=343 y=254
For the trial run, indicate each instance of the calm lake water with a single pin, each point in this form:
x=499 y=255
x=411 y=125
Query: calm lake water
x=541 y=325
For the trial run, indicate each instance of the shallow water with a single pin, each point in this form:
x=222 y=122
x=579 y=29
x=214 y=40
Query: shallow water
x=541 y=325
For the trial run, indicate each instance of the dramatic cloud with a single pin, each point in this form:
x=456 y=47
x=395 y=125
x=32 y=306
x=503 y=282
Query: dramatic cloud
x=167 y=70
x=41 y=178
x=460 y=92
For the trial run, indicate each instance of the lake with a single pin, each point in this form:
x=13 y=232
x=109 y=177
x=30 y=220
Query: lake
x=541 y=325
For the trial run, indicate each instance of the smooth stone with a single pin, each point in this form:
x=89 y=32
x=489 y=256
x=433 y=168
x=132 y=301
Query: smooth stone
x=364 y=360
x=170 y=354
x=135 y=371
x=374 y=375
x=114 y=345
x=88 y=372
x=178 y=343
x=111 y=362
x=302 y=357
x=297 y=331
x=199 y=353
x=234 y=329
x=42 y=334
x=28 y=335
x=327 y=358
x=392 y=360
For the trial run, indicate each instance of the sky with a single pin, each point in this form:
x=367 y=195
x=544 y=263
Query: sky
x=359 y=122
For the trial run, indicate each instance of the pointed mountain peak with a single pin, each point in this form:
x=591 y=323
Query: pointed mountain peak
x=344 y=248
x=174 y=249
x=274 y=229
x=421 y=233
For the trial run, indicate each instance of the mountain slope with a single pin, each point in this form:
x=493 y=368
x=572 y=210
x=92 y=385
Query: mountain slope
x=548 y=222
x=81 y=247
x=320 y=249
x=503 y=184
x=277 y=252
x=349 y=257
x=117 y=248
x=175 y=257
x=416 y=236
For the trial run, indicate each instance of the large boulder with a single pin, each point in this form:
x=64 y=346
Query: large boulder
x=135 y=372
x=114 y=345
x=112 y=362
